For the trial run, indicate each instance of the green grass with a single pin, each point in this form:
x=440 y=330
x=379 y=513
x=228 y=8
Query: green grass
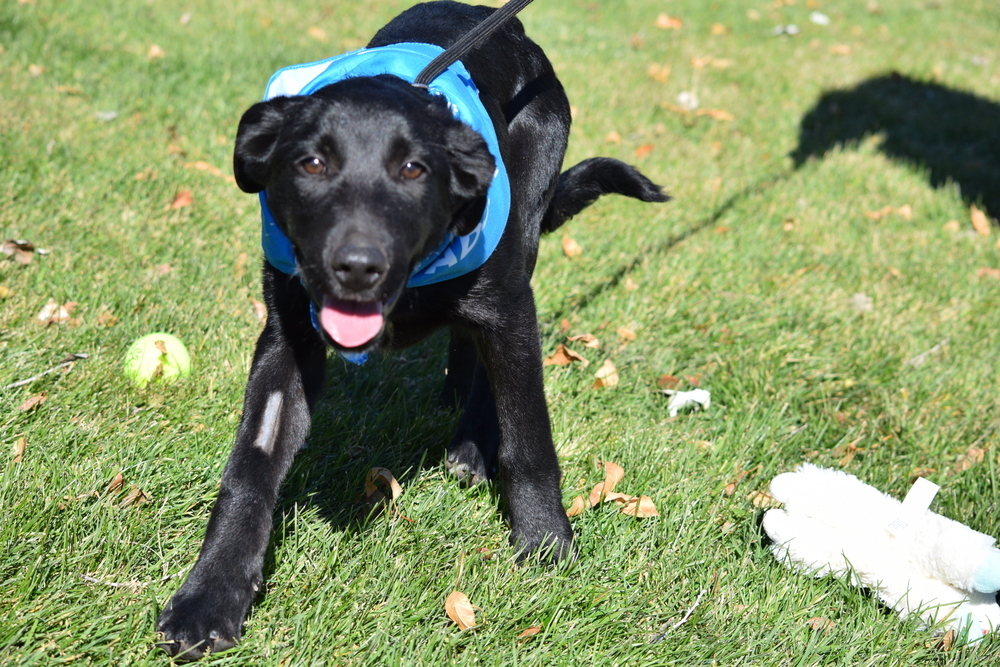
x=743 y=283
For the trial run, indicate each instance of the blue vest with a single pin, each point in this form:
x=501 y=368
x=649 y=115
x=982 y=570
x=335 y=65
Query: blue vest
x=456 y=255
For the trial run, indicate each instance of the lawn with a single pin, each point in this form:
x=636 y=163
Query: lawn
x=820 y=242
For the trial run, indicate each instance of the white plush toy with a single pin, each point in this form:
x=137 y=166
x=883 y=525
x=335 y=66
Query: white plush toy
x=916 y=561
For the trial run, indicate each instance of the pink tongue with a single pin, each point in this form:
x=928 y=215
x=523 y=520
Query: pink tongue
x=349 y=323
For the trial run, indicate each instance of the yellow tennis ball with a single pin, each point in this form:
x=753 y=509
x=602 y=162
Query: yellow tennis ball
x=158 y=357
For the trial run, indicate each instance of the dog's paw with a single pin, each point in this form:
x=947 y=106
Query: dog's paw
x=549 y=546
x=192 y=626
x=465 y=462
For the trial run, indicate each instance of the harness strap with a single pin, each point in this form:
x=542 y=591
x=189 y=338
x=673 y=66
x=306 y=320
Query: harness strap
x=469 y=41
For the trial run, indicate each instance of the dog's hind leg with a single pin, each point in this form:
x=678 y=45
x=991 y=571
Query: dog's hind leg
x=286 y=377
x=472 y=453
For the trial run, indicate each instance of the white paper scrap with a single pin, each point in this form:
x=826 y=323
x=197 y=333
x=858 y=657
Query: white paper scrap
x=698 y=398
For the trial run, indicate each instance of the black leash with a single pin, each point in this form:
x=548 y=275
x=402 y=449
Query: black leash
x=468 y=42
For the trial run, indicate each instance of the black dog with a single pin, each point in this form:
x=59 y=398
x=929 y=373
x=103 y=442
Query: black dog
x=366 y=177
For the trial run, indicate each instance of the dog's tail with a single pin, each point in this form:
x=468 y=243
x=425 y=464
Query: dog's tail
x=580 y=186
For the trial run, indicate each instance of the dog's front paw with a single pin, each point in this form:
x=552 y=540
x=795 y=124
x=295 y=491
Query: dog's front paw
x=551 y=542
x=195 y=624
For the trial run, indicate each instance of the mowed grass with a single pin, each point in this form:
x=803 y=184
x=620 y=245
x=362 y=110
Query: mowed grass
x=742 y=285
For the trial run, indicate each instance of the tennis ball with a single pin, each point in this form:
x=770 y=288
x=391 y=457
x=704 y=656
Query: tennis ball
x=158 y=357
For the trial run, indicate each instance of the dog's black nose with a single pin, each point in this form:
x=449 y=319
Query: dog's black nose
x=359 y=267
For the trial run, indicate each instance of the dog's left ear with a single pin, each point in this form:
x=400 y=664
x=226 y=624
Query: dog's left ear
x=472 y=168
x=256 y=140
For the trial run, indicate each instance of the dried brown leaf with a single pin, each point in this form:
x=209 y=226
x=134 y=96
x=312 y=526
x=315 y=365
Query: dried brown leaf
x=460 y=610
x=979 y=221
x=658 y=73
x=666 y=22
x=820 y=624
x=530 y=632
x=641 y=507
x=762 y=500
x=607 y=375
x=317 y=33
x=570 y=247
x=181 y=199
x=19 y=447
x=625 y=333
x=588 y=340
x=563 y=356
x=613 y=137
x=135 y=497
x=32 y=403
x=116 y=484
x=667 y=381
x=384 y=477
x=155 y=52
x=54 y=313
x=988 y=272
x=613 y=473
x=579 y=504
x=644 y=150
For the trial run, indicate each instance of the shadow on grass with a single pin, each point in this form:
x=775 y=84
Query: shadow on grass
x=952 y=134
x=664 y=245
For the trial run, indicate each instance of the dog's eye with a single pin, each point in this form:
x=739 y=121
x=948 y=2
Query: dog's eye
x=313 y=166
x=412 y=170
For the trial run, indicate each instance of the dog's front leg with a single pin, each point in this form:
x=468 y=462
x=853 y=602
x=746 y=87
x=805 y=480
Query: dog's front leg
x=529 y=468
x=286 y=377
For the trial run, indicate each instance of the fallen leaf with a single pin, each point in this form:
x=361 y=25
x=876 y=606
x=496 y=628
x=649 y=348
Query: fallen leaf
x=588 y=339
x=988 y=272
x=625 y=334
x=36 y=70
x=19 y=447
x=658 y=73
x=979 y=221
x=530 y=632
x=570 y=247
x=106 y=318
x=644 y=150
x=641 y=507
x=155 y=52
x=54 y=313
x=564 y=326
x=613 y=137
x=607 y=375
x=630 y=285
x=383 y=476
x=460 y=610
x=905 y=212
x=667 y=381
x=578 y=505
x=948 y=640
x=861 y=302
x=186 y=18
x=116 y=483
x=613 y=473
x=201 y=165
x=762 y=499
x=563 y=356
x=953 y=226
x=135 y=497
x=717 y=114
x=636 y=42
x=181 y=199
x=6 y=292
x=730 y=489
x=317 y=33
x=666 y=22
x=32 y=403
x=971 y=457
x=728 y=527
x=820 y=624
x=841 y=49
x=719 y=29
x=161 y=269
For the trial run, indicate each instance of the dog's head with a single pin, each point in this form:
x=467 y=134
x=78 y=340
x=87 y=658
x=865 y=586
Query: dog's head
x=365 y=177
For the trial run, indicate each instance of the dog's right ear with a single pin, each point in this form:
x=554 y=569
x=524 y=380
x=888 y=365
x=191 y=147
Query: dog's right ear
x=256 y=140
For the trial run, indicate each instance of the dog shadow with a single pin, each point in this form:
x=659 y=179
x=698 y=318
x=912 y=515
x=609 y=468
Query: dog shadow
x=386 y=413
x=952 y=134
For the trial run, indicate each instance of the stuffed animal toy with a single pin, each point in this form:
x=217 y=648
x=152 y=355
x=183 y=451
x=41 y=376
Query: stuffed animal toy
x=916 y=561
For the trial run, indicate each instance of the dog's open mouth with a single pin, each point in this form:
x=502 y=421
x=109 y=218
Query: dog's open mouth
x=351 y=323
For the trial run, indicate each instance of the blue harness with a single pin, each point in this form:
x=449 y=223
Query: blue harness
x=456 y=255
